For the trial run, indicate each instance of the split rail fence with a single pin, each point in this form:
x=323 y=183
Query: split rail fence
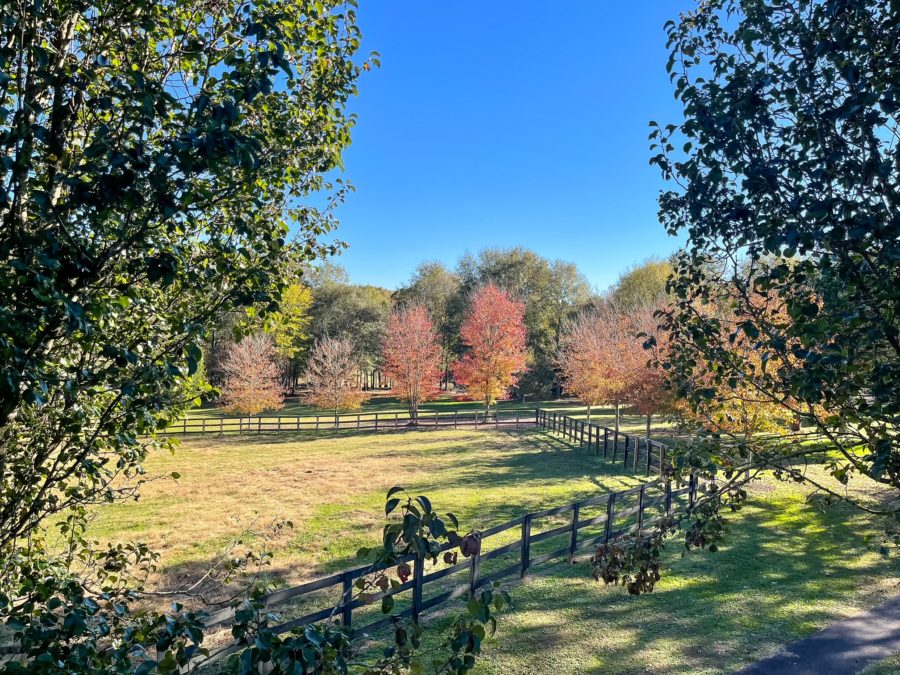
x=641 y=454
x=510 y=549
x=221 y=426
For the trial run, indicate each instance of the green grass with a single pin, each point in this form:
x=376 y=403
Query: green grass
x=888 y=666
x=789 y=566
x=786 y=571
x=333 y=488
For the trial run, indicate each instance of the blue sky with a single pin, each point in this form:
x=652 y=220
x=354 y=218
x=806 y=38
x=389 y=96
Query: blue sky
x=504 y=124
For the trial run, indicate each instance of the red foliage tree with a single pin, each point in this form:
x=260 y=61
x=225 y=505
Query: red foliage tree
x=494 y=332
x=411 y=357
x=252 y=376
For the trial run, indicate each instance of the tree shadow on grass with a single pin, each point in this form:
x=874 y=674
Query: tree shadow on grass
x=712 y=612
x=778 y=578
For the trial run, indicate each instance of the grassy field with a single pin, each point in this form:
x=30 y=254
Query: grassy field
x=333 y=488
x=789 y=567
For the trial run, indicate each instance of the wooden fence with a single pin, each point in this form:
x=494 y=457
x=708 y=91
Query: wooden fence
x=510 y=549
x=361 y=421
x=647 y=459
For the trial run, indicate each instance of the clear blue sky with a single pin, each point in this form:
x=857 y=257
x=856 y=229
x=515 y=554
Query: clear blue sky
x=507 y=123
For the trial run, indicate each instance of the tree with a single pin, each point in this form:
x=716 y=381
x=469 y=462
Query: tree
x=412 y=357
x=289 y=329
x=357 y=313
x=642 y=285
x=787 y=184
x=331 y=377
x=155 y=158
x=494 y=332
x=602 y=360
x=553 y=292
x=645 y=389
x=436 y=288
x=589 y=362
x=252 y=377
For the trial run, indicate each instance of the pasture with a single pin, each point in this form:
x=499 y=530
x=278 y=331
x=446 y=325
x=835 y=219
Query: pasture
x=772 y=582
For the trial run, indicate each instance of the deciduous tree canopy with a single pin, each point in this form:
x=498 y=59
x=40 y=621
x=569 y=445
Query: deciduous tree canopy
x=494 y=332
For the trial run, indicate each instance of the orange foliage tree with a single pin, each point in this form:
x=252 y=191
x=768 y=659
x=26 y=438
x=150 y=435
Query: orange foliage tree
x=411 y=357
x=494 y=332
x=602 y=359
x=331 y=377
x=252 y=376
x=645 y=391
x=589 y=362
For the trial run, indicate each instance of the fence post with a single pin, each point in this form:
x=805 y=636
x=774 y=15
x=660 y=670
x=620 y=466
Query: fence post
x=662 y=459
x=668 y=498
x=517 y=418
x=456 y=419
x=607 y=533
x=537 y=417
x=625 y=460
x=184 y=426
x=297 y=421
x=640 y=513
x=346 y=596
x=419 y=572
x=203 y=430
x=376 y=421
x=649 y=445
x=605 y=440
x=581 y=434
x=221 y=426
x=435 y=419
x=573 y=538
x=279 y=423
x=526 y=544
x=317 y=425
x=637 y=454
x=259 y=425
x=396 y=416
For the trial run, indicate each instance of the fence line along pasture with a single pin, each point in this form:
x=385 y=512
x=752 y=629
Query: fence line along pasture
x=598 y=438
x=352 y=422
x=536 y=538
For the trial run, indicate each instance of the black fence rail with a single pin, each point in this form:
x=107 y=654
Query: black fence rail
x=361 y=421
x=509 y=549
x=639 y=453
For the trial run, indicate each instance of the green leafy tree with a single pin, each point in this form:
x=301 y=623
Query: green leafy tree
x=289 y=329
x=787 y=184
x=155 y=158
x=642 y=285
x=350 y=312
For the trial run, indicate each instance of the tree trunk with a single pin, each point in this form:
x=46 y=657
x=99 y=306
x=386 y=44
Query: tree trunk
x=648 y=426
x=617 y=417
x=589 y=414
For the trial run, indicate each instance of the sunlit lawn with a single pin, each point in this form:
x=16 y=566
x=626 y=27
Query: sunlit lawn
x=788 y=568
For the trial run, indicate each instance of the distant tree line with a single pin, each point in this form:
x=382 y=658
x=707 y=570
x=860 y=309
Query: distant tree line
x=323 y=303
